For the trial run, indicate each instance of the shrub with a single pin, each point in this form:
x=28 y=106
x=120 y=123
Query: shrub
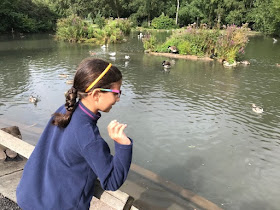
x=70 y=28
x=232 y=42
x=163 y=22
x=184 y=47
x=150 y=43
x=74 y=29
x=99 y=20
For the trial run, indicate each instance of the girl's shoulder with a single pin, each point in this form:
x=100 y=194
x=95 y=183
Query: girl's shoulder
x=85 y=134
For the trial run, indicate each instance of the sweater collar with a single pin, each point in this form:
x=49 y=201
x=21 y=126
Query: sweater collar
x=89 y=113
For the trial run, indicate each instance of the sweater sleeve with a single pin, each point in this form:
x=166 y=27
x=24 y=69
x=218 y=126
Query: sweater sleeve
x=111 y=170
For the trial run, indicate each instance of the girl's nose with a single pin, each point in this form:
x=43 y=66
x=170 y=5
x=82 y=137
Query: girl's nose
x=118 y=99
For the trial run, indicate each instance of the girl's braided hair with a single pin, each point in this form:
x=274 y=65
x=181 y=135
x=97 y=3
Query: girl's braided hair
x=88 y=70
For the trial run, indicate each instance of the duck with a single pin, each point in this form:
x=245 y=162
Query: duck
x=274 y=40
x=166 y=64
x=63 y=75
x=245 y=62
x=104 y=46
x=112 y=58
x=140 y=36
x=257 y=109
x=113 y=54
x=127 y=57
x=277 y=64
x=69 y=82
x=227 y=64
x=33 y=99
x=92 y=53
x=173 y=49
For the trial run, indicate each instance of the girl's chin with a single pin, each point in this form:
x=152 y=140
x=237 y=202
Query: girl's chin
x=108 y=109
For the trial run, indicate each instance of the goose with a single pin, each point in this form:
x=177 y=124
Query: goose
x=33 y=99
x=173 y=49
x=166 y=64
x=112 y=54
x=274 y=40
x=257 y=109
x=127 y=57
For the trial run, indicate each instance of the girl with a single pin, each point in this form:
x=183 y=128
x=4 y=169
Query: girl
x=70 y=153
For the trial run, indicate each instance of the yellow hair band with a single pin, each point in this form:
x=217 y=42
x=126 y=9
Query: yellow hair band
x=99 y=78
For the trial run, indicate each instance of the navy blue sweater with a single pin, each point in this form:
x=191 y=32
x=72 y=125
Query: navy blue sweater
x=65 y=163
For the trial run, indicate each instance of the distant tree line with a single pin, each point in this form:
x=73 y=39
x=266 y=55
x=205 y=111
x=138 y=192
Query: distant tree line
x=41 y=15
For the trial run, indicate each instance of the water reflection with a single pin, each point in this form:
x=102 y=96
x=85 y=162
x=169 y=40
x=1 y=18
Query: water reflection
x=192 y=125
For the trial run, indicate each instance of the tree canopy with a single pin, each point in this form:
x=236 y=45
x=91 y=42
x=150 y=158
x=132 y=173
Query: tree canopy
x=40 y=15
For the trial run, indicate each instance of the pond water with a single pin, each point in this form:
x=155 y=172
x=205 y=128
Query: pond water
x=192 y=125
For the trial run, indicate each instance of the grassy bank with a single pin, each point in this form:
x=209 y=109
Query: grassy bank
x=227 y=44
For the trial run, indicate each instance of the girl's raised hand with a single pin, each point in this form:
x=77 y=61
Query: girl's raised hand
x=116 y=132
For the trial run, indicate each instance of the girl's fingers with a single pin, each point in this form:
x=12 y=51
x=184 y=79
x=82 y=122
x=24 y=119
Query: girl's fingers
x=122 y=128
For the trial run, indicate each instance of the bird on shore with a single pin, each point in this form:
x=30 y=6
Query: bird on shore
x=173 y=49
x=166 y=64
x=257 y=109
x=33 y=99
x=274 y=40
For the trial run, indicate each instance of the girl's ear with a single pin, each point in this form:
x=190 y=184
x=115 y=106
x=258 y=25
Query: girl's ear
x=95 y=94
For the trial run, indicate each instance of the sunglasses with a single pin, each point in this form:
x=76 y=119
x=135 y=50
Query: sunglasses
x=119 y=92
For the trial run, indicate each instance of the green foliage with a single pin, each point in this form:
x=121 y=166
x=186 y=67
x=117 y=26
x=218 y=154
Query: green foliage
x=227 y=44
x=149 y=43
x=163 y=22
x=99 y=20
x=75 y=29
x=70 y=29
x=25 y=16
x=184 y=47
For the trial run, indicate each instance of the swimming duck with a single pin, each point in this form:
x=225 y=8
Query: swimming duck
x=227 y=64
x=104 y=46
x=245 y=62
x=277 y=64
x=112 y=54
x=92 y=53
x=172 y=49
x=274 y=40
x=257 y=109
x=140 y=36
x=127 y=57
x=69 y=82
x=33 y=99
x=166 y=64
x=63 y=75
